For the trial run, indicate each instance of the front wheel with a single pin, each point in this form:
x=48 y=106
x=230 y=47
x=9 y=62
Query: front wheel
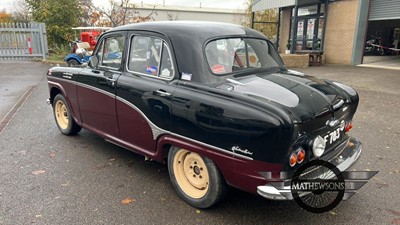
x=63 y=117
x=196 y=179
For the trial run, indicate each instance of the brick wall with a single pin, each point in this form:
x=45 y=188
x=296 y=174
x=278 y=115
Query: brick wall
x=295 y=60
x=340 y=30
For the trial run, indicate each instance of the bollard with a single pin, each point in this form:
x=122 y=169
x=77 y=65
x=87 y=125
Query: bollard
x=29 y=45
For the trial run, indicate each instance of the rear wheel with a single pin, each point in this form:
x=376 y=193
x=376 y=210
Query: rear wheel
x=196 y=178
x=73 y=62
x=63 y=117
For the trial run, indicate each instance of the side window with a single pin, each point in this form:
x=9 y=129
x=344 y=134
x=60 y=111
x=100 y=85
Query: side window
x=110 y=53
x=150 y=56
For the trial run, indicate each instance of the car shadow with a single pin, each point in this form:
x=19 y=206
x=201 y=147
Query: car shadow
x=236 y=206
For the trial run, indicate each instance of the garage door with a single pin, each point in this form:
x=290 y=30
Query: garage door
x=384 y=10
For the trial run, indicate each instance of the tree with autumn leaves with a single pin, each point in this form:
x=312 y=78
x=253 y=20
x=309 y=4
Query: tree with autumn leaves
x=58 y=15
x=271 y=15
x=118 y=13
x=5 y=17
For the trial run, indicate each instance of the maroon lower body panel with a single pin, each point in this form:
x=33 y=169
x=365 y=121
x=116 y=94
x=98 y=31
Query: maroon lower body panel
x=98 y=111
x=240 y=173
x=134 y=128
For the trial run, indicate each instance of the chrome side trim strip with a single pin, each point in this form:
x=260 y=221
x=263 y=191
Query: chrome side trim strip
x=112 y=95
x=213 y=147
x=54 y=83
x=156 y=131
x=59 y=79
x=81 y=85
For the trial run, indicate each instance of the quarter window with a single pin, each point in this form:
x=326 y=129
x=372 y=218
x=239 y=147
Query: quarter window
x=150 y=56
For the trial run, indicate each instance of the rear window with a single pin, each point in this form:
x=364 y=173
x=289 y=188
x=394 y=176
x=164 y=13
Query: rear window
x=230 y=55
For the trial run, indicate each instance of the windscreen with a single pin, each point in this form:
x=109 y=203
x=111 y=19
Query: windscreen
x=230 y=55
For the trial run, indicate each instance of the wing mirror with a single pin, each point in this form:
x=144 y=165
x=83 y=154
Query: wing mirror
x=93 y=61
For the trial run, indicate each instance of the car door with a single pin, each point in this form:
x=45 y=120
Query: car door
x=96 y=86
x=145 y=90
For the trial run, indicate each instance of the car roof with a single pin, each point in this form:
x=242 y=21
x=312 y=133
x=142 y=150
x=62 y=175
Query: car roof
x=188 y=39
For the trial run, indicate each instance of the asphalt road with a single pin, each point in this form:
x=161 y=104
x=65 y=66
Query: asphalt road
x=15 y=81
x=49 y=178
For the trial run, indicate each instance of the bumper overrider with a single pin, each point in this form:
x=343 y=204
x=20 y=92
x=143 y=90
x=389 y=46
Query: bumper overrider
x=343 y=161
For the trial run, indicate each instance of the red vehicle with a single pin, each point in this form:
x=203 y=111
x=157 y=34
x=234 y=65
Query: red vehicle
x=90 y=34
x=90 y=37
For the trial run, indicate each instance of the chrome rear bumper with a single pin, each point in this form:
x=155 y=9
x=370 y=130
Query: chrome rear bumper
x=342 y=161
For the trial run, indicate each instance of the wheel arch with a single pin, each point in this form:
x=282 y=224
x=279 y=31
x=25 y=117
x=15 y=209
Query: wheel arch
x=238 y=172
x=165 y=143
x=73 y=59
x=54 y=91
x=58 y=89
x=221 y=160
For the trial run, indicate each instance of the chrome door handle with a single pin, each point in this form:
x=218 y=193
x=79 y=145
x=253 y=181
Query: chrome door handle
x=163 y=93
x=110 y=79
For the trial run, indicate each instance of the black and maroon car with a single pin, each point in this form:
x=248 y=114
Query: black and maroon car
x=214 y=101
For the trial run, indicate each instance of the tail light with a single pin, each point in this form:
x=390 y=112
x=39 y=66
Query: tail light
x=348 y=126
x=293 y=159
x=301 y=155
x=297 y=157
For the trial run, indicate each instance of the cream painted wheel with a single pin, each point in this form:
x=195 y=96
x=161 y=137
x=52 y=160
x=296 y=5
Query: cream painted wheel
x=196 y=178
x=191 y=173
x=63 y=117
x=61 y=114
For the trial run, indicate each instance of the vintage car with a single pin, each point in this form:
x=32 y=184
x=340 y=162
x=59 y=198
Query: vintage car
x=180 y=94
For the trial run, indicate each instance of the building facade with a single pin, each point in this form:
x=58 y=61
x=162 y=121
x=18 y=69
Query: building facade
x=343 y=30
x=169 y=12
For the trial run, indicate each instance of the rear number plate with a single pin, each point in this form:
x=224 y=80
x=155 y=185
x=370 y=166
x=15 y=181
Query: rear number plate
x=334 y=135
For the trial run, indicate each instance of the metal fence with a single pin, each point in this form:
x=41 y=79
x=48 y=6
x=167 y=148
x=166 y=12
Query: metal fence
x=23 y=40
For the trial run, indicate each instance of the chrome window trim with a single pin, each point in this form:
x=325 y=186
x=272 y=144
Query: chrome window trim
x=100 y=66
x=144 y=74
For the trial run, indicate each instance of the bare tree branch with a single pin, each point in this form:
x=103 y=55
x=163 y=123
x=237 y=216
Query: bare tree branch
x=119 y=13
x=20 y=11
